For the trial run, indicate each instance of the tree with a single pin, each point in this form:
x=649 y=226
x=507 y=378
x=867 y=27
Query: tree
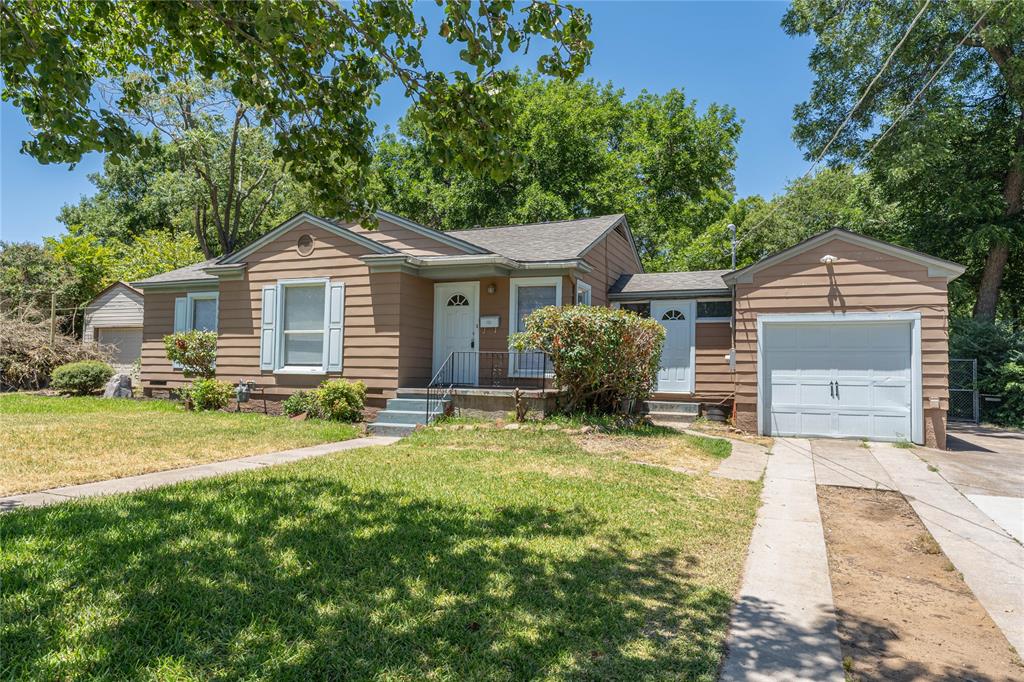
x=152 y=253
x=584 y=149
x=956 y=161
x=836 y=197
x=82 y=70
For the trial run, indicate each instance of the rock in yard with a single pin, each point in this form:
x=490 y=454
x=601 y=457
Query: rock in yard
x=119 y=386
x=550 y=427
x=511 y=427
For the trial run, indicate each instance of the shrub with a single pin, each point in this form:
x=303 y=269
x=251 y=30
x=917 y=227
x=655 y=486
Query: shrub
x=303 y=402
x=195 y=351
x=601 y=357
x=207 y=394
x=337 y=399
x=27 y=358
x=81 y=378
x=341 y=400
x=999 y=350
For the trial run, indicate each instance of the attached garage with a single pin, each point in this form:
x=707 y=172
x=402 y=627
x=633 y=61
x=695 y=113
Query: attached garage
x=849 y=376
x=843 y=336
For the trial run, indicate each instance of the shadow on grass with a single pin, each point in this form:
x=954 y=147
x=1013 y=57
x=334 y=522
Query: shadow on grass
x=298 y=577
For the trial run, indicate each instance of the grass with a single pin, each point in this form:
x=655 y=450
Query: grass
x=452 y=555
x=47 y=442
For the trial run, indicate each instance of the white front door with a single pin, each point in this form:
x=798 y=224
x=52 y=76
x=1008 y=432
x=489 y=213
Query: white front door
x=677 y=317
x=839 y=379
x=456 y=315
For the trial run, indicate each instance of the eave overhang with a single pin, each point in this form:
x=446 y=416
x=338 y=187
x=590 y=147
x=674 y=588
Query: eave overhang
x=625 y=297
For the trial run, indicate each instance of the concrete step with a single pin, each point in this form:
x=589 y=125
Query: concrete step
x=407 y=404
x=390 y=416
x=666 y=406
x=671 y=418
x=395 y=430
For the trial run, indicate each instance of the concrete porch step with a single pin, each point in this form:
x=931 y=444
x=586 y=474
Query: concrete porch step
x=393 y=430
x=670 y=406
x=671 y=418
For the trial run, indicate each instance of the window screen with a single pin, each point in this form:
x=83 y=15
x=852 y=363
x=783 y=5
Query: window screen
x=303 y=328
x=529 y=299
x=204 y=314
x=714 y=308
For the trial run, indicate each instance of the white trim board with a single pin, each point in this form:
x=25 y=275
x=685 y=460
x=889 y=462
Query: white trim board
x=294 y=222
x=911 y=318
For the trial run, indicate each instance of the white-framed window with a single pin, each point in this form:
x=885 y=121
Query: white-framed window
x=301 y=326
x=202 y=311
x=717 y=310
x=527 y=294
x=583 y=293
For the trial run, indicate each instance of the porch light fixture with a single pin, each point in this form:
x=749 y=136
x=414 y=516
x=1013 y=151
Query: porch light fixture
x=491 y=288
x=828 y=260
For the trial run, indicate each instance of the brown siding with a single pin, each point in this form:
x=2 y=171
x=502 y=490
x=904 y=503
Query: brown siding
x=371 y=334
x=417 y=331
x=611 y=257
x=714 y=378
x=404 y=239
x=863 y=280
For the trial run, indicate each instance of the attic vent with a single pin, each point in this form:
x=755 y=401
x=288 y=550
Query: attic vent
x=305 y=245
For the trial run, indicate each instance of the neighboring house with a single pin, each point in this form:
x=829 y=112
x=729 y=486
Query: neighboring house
x=114 y=318
x=840 y=335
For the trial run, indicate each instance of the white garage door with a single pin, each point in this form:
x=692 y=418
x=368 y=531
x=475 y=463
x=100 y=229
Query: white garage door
x=126 y=341
x=843 y=380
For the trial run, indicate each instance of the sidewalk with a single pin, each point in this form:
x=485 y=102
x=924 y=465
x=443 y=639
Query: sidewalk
x=160 y=478
x=783 y=625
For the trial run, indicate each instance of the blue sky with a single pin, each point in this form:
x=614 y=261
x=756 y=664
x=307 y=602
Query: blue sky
x=727 y=52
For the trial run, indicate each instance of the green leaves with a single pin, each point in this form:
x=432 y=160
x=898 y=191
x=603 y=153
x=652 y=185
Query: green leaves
x=311 y=69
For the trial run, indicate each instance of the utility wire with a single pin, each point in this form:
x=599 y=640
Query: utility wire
x=898 y=118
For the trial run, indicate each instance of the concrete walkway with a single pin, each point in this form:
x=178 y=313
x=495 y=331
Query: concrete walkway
x=746 y=463
x=990 y=560
x=159 y=478
x=783 y=625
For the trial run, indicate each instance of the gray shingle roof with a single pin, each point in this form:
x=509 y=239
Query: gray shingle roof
x=652 y=282
x=189 y=272
x=557 y=240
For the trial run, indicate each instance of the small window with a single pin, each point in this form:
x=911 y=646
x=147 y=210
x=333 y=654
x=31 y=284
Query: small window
x=305 y=245
x=673 y=315
x=458 y=300
x=641 y=309
x=722 y=309
x=204 y=314
x=583 y=295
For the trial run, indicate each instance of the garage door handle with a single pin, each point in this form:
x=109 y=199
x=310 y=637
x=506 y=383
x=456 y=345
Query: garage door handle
x=831 y=389
x=837 y=389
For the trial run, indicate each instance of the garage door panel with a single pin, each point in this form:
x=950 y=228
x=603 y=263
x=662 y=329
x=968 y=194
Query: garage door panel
x=845 y=379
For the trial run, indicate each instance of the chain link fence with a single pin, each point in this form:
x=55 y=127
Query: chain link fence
x=963 y=390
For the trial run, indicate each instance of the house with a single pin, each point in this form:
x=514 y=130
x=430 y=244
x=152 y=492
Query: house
x=840 y=335
x=114 y=318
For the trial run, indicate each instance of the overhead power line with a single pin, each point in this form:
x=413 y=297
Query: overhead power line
x=899 y=116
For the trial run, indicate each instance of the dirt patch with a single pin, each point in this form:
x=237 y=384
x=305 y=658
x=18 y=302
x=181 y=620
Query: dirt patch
x=672 y=452
x=904 y=612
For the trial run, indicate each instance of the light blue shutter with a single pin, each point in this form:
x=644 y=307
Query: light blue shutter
x=335 y=327
x=268 y=335
x=180 y=320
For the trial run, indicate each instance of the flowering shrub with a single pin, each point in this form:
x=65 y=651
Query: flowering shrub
x=195 y=351
x=601 y=357
x=207 y=394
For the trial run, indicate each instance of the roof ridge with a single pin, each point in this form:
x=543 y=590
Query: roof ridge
x=536 y=224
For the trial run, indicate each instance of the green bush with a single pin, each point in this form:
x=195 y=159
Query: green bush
x=601 y=357
x=337 y=399
x=303 y=402
x=195 y=351
x=341 y=400
x=999 y=350
x=81 y=378
x=207 y=394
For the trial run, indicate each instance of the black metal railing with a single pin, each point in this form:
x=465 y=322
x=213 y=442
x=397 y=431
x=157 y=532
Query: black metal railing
x=486 y=369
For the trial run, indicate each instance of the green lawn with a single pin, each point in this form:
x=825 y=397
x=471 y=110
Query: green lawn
x=452 y=555
x=47 y=442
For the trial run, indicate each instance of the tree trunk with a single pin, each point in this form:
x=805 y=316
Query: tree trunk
x=991 y=280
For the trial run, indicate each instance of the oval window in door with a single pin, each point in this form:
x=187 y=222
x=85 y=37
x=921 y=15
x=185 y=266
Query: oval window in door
x=673 y=315
x=458 y=300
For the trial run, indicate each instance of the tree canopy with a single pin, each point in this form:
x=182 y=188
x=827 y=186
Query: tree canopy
x=583 y=149
x=955 y=162
x=82 y=71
